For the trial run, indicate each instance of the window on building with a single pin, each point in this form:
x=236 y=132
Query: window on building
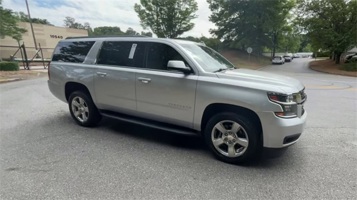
x=74 y=52
x=160 y=54
x=130 y=54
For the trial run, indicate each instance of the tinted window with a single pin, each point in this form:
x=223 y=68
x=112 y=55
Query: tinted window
x=160 y=54
x=122 y=54
x=72 y=51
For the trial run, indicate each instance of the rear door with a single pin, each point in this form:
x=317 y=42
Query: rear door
x=115 y=75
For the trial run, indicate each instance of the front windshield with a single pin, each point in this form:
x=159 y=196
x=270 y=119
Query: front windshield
x=209 y=59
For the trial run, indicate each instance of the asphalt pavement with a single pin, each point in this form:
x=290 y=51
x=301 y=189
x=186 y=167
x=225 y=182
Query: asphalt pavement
x=45 y=155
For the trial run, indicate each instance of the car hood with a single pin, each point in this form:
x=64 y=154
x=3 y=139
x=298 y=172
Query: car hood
x=270 y=81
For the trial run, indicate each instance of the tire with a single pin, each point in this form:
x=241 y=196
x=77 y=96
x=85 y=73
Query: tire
x=83 y=110
x=232 y=146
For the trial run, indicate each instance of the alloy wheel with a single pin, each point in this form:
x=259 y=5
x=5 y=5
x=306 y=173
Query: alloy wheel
x=229 y=138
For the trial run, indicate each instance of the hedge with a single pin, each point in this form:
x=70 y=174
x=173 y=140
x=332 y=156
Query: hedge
x=352 y=66
x=9 y=66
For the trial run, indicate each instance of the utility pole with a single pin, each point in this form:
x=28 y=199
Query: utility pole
x=33 y=33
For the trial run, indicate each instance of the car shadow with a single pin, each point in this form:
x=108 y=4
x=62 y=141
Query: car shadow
x=179 y=141
x=153 y=135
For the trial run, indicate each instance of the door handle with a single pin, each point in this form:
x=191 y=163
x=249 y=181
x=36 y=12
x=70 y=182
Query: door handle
x=101 y=74
x=144 y=80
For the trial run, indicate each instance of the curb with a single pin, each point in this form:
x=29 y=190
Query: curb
x=10 y=80
x=326 y=72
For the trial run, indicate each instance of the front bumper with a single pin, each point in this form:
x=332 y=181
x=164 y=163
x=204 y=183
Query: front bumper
x=279 y=132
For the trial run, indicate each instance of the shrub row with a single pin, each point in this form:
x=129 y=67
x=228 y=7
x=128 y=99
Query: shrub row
x=9 y=66
x=352 y=66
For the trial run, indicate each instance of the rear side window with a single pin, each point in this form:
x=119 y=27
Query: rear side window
x=74 y=52
x=130 y=54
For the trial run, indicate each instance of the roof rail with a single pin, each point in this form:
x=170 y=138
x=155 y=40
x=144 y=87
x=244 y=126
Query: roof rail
x=104 y=36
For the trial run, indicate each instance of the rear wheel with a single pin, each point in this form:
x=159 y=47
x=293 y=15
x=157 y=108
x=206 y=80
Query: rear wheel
x=232 y=138
x=83 y=110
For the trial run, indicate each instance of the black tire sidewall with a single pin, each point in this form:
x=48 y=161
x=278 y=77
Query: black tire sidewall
x=93 y=115
x=249 y=127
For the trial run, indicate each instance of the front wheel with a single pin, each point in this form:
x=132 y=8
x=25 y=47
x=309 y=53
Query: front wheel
x=232 y=138
x=83 y=110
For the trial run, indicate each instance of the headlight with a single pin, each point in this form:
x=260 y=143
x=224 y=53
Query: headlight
x=286 y=102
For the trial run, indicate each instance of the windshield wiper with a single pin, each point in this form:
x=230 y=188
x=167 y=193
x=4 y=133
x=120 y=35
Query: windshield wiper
x=220 y=70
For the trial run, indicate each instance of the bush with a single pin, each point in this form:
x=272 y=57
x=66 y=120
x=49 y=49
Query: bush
x=323 y=54
x=9 y=66
x=352 y=66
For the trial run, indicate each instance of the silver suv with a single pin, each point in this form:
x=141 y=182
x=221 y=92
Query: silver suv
x=181 y=87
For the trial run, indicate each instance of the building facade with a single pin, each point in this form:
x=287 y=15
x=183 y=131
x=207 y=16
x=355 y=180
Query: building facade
x=46 y=36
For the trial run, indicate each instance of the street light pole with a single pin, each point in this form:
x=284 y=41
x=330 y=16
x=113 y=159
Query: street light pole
x=33 y=33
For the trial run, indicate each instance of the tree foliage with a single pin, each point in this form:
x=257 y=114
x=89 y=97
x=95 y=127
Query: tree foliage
x=114 y=30
x=131 y=31
x=70 y=22
x=148 y=34
x=24 y=18
x=107 y=30
x=169 y=18
x=8 y=24
x=252 y=23
x=330 y=25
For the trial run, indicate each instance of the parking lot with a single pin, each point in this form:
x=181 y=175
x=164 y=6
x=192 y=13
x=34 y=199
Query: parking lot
x=45 y=155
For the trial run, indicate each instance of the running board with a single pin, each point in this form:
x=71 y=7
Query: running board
x=150 y=123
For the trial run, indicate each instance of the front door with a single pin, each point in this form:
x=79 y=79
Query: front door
x=164 y=95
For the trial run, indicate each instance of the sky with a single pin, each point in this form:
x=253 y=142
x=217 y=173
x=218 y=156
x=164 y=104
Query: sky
x=102 y=13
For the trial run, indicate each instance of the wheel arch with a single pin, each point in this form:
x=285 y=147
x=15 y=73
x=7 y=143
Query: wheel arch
x=215 y=108
x=71 y=87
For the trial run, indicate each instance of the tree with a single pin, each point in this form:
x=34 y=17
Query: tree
x=24 y=18
x=70 y=22
x=214 y=43
x=107 y=30
x=148 y=34
x=130 y=31
x=289 y=40
x=305 y=45
x=330 y=25
x=8 y=24
x=252 y=23
x=169 y=18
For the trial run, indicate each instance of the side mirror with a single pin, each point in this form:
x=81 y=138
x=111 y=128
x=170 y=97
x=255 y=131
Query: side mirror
x=179 y=66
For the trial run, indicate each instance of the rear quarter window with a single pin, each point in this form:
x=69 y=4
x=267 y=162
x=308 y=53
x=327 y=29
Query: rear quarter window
x=74 y=52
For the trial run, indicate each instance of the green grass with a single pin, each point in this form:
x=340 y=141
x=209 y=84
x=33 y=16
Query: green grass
x=349 y=66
